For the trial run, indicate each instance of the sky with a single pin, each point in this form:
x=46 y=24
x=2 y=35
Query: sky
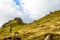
x=28 y=10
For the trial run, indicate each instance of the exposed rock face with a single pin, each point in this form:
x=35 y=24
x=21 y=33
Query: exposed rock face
x=19 y=20
x=49 y=37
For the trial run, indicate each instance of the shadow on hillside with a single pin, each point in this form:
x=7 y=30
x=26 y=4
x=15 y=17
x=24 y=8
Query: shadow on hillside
x=10 y=38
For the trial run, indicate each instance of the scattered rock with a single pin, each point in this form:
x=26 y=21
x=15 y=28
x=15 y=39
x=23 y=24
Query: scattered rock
x=49 y=37
x=16 y=34
x=9 y=38
x=17 y=38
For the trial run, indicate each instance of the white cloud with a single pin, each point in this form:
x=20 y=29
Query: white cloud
x=28 y=10
x=39 y=8
x=7 y=11
x=34 y=7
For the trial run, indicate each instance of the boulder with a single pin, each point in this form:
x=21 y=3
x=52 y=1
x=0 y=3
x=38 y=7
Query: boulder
x=49 y=37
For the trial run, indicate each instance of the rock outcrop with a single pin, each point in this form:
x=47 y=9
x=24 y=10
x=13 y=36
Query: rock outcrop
x=19 y=20
x=49 y=37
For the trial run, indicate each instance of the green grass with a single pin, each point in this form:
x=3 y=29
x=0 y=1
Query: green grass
x=36 y=30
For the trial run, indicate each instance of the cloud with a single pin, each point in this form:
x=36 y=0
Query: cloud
x=39 y=8
x=28 y=10
x=7 y=11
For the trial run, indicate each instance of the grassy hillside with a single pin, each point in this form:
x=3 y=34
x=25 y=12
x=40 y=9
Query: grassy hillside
x=37 y=30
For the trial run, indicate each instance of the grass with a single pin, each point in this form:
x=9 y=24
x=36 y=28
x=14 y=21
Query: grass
x=37 y=30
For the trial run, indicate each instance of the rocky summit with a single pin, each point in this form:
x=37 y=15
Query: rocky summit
x=46 y=28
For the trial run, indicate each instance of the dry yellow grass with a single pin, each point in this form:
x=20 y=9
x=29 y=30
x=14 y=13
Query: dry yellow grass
x=36 y=30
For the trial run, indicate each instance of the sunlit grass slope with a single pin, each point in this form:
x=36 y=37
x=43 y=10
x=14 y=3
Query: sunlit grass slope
x=37 y=30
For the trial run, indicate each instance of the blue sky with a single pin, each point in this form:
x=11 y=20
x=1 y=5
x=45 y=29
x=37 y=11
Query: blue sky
x=28 y=10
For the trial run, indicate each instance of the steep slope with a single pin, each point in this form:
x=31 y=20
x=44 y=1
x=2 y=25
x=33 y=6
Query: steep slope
x=38 y=30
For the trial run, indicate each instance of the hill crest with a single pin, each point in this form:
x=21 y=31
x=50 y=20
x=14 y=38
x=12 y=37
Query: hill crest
x=38 y=30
